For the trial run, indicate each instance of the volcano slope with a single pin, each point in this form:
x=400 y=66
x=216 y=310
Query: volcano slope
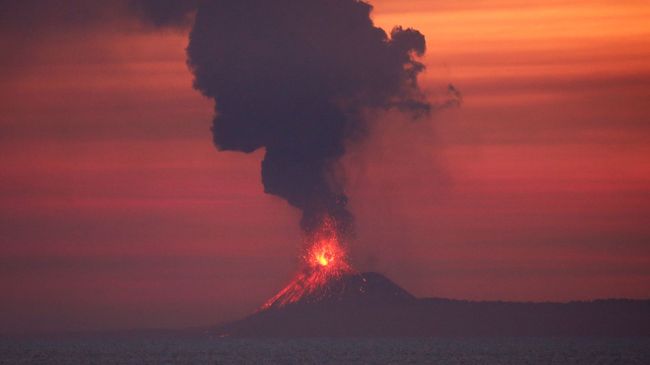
x=371 y=305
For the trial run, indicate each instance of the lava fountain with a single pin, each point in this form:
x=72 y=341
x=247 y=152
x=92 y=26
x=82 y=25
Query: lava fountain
x=325 y=258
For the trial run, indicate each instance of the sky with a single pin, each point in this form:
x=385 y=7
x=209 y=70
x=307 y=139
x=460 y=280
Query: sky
x=116 y=210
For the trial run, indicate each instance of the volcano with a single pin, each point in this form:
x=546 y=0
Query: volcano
x=371 y=305
x=328 y=298
x=347 y=289
x=347 y=304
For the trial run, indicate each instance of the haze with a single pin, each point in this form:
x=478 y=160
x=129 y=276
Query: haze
x=116 y=211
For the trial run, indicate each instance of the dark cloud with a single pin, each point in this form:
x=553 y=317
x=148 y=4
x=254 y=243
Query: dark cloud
x=291 y=76
x=35 y=18
x=294 y=77
x=175 y=13
x=454 y=98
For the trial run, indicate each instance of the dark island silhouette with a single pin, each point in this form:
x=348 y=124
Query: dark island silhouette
x=371 y=305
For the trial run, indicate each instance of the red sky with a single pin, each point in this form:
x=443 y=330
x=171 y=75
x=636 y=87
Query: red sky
x=117 y=212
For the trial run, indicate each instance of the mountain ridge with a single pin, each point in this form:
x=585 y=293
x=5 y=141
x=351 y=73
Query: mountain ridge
x=371 y=305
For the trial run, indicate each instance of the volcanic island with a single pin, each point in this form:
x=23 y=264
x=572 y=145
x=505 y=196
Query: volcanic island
x=328 y=298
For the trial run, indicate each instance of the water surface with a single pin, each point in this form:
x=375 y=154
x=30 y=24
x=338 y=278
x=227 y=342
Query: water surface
x=534 y=351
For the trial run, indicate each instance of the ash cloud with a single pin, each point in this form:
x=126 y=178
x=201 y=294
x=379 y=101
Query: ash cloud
x=165 y=13
x=294 y=77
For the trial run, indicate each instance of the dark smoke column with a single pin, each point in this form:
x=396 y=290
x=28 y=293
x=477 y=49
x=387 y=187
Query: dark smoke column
x=293 y=77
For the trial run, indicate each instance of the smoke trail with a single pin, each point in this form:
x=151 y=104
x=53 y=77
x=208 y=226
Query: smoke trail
x=294 y=77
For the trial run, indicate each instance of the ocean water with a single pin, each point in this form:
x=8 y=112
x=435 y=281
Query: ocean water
x=534 y=351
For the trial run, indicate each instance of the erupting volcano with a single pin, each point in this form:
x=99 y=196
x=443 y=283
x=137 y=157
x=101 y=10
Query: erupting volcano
x=325 y=259
x=302 y=81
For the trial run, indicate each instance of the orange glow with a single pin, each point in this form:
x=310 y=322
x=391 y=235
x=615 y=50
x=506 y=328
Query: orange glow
x=322 y=259
x=475 y=40
x=325 y=258
x=325 y=250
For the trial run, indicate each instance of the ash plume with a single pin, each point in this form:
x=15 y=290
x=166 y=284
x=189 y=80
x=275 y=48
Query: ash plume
x=294 y=77
x=165 y=13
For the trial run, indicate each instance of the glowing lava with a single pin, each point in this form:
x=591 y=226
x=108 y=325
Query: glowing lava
x=325 y=253
x=324 y=258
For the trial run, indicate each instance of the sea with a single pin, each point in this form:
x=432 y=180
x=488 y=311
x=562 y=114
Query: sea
x=502 y=351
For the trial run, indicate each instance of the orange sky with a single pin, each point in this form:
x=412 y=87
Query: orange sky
x=116 y=210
